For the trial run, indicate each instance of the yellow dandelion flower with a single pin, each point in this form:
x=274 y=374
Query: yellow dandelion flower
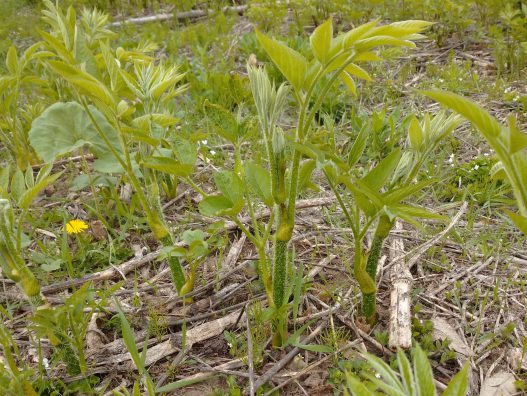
x=76 y=226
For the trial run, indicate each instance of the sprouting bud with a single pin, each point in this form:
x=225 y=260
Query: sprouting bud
x=252 y=61
x=278 y=140
x=122 y=107
x=6 y=213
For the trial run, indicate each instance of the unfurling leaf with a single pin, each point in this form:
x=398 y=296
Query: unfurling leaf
x=292 y=64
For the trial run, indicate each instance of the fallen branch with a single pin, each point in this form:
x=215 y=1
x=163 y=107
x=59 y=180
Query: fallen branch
x=180 y=16
x=400 y=330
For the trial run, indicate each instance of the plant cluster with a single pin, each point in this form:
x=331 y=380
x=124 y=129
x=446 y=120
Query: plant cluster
x=119 y=110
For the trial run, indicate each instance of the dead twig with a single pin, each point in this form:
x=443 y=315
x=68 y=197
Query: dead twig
x=192 y=14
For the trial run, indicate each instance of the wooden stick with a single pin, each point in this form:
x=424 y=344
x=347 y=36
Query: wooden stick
x=400 y=317
x=400 y=329
x=179 y=16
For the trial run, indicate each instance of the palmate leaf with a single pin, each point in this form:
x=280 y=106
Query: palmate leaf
x=65 y=127
x=291 y=63
x=368 y=200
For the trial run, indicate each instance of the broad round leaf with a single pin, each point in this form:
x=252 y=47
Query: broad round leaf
x=66 y=127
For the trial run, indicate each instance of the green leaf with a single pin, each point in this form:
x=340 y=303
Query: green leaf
x=348 y=81
x=18 y=185
x=30 y=182
x=423 y=373
x=389 y=376
x=356 y=386
x=358 y=147
x=401 y=29
x=384 y=387
x=292 y=64
x=378 y=176
x=518 y=220
x=128 y=338
x=168 y=165
x=304 y=177
x=186 y=151
x=11 y=61
x=405 y=369
x=377 y=41
x=395 y=196
x=164 y=120
x=85 y=82
x=4 y=179
x=321 y=41
x=368 y=200
x=349 y=38
x=486 y=124
x=367 y=57
x=314 y=348
x=66 y=127
x=259 y=181
x=25 y=200
x=230 y=185
x=409 y=213
x=218 y=205
x=51 y=265
x=458 y=384
x=516 y=140
x=358 y=71
x=182 y=383
x=415 y=133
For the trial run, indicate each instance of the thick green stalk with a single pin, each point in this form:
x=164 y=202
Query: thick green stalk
x=281 y=240
x=279 y=272
x=263 y=267
x=369 y=299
